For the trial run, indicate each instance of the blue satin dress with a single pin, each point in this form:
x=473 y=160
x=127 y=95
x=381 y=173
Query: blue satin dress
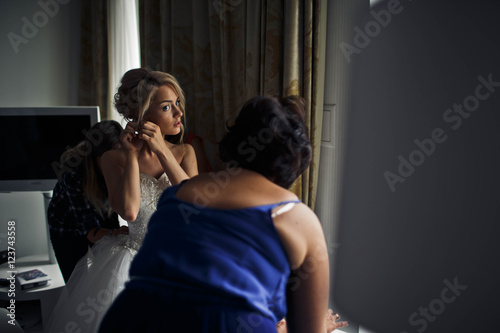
x=204 y=270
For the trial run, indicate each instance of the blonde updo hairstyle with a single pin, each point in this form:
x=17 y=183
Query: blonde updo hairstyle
x=137 y=90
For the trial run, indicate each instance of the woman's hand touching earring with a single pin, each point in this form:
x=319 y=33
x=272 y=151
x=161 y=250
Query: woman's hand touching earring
x=130 y=138
x=151 y=134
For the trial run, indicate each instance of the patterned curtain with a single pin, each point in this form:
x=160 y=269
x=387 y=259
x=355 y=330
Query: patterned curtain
x=225 y=52
x=93 y=85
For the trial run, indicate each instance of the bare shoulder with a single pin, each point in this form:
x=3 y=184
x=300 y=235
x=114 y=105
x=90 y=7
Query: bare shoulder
x=301 y=216
x=300 y=231
x=181 y=150
x=186 y=157
x=187 y=148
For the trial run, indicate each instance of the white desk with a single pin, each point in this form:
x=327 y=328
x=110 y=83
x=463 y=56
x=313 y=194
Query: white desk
x=47 y=295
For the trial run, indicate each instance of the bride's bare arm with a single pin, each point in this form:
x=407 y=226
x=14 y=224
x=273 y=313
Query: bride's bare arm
x=121 y=173
x=189 y=162
x=120 y=169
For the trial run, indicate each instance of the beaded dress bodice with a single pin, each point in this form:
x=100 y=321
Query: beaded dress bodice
x=151 y=190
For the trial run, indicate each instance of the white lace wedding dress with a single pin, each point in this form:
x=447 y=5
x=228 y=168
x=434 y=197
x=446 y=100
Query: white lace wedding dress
x=100 y=275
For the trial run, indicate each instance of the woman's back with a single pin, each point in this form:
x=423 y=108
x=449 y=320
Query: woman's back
x=232 y=252
x=232 y=189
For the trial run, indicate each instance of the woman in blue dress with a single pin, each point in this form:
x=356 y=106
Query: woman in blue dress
x=235 y=250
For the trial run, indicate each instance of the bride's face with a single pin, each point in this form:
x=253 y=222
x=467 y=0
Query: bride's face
x=165 y=111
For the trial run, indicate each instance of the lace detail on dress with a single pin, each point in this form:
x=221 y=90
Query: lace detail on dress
x=151 y=191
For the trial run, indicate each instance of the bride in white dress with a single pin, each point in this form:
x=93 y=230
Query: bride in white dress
x=136 y=175
x=100 y=276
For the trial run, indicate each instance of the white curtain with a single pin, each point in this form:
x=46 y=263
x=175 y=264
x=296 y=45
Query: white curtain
x=124 y=51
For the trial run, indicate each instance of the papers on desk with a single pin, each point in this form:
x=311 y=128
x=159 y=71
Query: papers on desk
x=32 y=279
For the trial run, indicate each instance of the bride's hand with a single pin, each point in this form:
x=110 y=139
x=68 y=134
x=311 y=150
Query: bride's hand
x=151 y=134
x=123 y=230
x=129 y=139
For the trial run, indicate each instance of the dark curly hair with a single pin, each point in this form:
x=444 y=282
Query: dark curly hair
x=269 y=136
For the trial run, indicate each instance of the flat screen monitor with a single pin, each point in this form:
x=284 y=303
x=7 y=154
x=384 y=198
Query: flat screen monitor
x=33 y=139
